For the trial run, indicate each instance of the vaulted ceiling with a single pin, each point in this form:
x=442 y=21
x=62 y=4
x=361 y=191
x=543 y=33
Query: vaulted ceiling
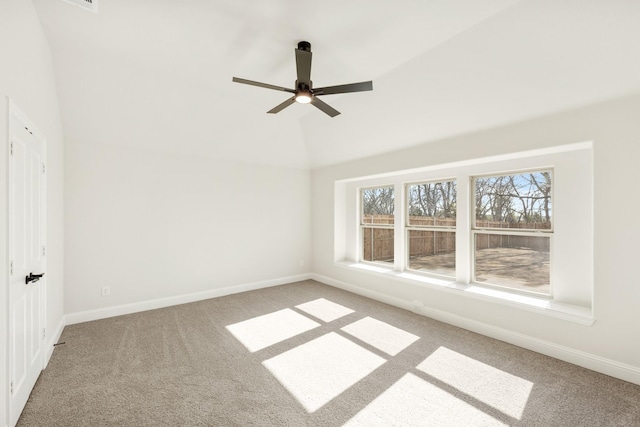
x=157 y=74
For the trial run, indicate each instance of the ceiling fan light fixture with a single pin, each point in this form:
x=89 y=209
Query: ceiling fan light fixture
x=303 y=97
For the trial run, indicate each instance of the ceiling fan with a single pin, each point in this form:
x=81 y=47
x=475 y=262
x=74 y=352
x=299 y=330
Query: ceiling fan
x=304 y=92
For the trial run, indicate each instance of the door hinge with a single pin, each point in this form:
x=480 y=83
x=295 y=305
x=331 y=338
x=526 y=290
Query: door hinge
x=44 y=333
x=44 y=251
x=11 y=268
x=11 y=387
x=43 y=168
x=12 y=148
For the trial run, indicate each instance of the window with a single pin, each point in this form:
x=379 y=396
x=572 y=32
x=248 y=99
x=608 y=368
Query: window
x=512 y=231
x=376 y=224
x=510 y=227
x=430 y=227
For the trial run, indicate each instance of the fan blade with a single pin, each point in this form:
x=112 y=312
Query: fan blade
x=303 y=66
x=324 y=107
x=282 y=106
x=265 y=85
x=352 y=87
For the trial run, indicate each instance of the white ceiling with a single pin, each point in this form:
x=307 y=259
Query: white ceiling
x=157 y=73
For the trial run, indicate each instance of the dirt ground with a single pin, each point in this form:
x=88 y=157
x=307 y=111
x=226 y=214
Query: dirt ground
x=512 y=267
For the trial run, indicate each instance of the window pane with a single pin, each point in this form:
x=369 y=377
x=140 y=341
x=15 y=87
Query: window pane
x=432 y=204
x=514 y=201
x=377 y=244
x=377 y=205
x=432 y=251
x=518 y=262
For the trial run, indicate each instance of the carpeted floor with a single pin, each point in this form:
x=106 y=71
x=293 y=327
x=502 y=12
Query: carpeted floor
x=307 y=354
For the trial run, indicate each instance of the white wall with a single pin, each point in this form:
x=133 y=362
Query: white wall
x=612 y=340
x=26 y=76
x=154 y=225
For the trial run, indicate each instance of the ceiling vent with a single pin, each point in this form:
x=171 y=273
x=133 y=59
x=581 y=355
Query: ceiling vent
x=90 y=5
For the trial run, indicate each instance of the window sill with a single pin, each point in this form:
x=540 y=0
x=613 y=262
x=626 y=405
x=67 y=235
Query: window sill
x=540 y=305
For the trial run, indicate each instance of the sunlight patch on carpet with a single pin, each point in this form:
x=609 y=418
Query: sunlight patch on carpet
x=412 y=401
x=325 y=310
x=381 y=335
x=503 y=391
x=321 y=369
x=263 y=331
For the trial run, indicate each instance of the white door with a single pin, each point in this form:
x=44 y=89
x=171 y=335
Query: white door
x=26 y=258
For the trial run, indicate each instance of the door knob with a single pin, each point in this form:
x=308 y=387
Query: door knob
x=32 y=278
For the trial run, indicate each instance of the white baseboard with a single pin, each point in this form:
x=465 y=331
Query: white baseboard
x=587 y=360
x=119 y=310
x=55 y=337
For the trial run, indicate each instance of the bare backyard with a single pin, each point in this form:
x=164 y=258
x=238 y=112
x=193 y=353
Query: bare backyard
x=518 y=268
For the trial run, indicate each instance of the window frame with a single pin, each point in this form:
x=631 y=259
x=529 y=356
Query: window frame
x=408 y=227
x=475 y=230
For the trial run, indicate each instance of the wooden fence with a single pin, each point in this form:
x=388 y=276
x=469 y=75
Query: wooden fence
x=492 y=241
x=378 y=242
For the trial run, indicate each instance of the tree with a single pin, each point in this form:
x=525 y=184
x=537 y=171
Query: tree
x=514 y=199
x=433 y=200
x=378 y=201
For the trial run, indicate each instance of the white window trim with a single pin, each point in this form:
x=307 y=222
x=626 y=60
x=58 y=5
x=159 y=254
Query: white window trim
x=551 y=159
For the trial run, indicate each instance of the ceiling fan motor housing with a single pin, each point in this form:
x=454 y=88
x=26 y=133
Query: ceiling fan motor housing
x=306 y=46
x=304 y=86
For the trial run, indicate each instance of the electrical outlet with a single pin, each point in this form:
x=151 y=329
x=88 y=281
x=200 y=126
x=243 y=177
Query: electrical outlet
x=106 y=291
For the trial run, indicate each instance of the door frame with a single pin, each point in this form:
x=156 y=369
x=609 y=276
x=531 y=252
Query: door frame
x=15 y=113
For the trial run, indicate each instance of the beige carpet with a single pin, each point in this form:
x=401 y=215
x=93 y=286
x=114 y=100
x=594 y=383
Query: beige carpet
x=307 y=354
